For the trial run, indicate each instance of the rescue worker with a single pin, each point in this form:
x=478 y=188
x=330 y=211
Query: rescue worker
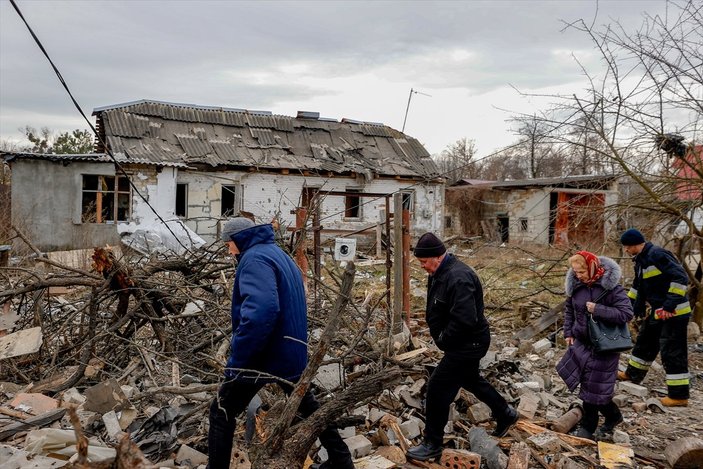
x=661 y=282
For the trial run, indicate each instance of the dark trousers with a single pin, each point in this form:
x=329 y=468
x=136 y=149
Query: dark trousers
x=669 y=337
x=451 y=374
x=233 y=397
x=610 y=411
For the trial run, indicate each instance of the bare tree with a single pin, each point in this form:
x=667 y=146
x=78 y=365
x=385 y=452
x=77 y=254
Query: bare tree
x=457 y=160
x=649 y=92
x=505 y=165
x=540 y=154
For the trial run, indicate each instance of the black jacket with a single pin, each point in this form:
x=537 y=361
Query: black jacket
x=660 y=280
x=455 y=310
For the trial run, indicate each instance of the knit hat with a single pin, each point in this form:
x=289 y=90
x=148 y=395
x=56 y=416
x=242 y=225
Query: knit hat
x=631 y=237
x=429 y=246
x=233 y=226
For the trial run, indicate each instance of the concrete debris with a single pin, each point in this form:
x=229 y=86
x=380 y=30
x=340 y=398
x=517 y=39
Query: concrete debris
x=21 y=343
x=126 y=367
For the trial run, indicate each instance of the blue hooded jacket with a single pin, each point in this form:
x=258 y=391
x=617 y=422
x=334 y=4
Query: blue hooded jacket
x=269 y=311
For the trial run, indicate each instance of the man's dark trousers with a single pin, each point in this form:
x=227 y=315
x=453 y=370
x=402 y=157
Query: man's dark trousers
x=233 y=398
x=452 y=373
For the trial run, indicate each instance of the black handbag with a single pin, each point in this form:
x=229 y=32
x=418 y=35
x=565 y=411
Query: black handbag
x=607 y=337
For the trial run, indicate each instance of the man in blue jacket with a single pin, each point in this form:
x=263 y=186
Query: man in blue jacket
x=660 y=281
x=269 y=338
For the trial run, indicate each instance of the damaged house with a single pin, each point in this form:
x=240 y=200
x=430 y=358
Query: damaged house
x=195 y=165
x=562 y=210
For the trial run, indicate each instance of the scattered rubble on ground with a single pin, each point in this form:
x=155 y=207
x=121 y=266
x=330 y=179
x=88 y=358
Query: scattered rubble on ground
x=120 y=364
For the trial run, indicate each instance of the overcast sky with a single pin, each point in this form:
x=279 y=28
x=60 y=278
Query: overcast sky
x=343 y=59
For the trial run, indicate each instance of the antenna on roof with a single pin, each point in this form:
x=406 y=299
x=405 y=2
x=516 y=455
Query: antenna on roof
x=412 y=92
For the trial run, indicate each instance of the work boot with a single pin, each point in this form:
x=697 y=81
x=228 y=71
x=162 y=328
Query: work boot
x=504 y=422
x=623 y=376
x=605 y=431
x=669 y=402
x=424 y=451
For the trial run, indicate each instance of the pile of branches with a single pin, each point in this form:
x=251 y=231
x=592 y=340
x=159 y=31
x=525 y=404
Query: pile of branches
x=175 y=308
x=152 y=321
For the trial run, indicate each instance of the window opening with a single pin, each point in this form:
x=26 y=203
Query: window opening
x=352 y=204
x=182 y=200
x=228 y=207
x=105 y=199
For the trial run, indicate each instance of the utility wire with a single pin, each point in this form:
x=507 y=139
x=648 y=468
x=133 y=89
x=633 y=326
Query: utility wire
x=90 y=124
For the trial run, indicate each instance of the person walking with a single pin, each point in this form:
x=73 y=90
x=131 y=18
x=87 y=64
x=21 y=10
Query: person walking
x=269 y=339
x=593 y=289
x=454 y=314
x=661 y=282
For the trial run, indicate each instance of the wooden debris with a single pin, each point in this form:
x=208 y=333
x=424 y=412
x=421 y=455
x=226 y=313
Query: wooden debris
x=519 y=457
x=615 y=456
x=685 y=453
x=38 y=421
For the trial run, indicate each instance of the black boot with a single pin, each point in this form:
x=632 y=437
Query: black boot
x=583 y=433
x=605 y=431
x=329 y=465
x=424 y=451
x=504 y=422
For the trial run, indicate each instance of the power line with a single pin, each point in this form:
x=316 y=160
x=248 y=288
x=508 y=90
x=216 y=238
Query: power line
x=90 y=124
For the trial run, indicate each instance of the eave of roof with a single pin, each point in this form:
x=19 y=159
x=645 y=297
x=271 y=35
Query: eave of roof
x=87 y=157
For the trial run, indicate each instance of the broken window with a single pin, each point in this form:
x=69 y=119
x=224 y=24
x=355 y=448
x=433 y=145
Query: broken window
x=352 y=204
x=230 y=197
x=181 y=200
x=105 y=199
x=523 y=224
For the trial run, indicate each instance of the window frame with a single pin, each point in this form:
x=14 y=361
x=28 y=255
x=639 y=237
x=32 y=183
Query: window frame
x=236 y=199
x=106 y=186
x=348 y=201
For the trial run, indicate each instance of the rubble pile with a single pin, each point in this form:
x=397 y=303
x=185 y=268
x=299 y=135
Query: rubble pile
x=121 y=363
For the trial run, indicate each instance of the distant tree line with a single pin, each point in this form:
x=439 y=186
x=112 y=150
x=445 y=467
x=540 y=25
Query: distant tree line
x=44 y=140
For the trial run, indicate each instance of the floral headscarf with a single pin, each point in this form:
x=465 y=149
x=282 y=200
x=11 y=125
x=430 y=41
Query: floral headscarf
x=595 y=270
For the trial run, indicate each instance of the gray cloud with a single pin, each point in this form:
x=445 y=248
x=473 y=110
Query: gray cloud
x=212 y=52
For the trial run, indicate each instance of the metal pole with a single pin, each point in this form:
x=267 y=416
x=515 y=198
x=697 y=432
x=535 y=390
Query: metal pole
x=407 y=108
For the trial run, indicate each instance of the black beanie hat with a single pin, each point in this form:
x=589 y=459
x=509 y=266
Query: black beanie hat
x=631 y=237
x=429 y=246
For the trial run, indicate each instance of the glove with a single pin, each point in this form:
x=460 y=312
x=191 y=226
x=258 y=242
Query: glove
x=662 y=314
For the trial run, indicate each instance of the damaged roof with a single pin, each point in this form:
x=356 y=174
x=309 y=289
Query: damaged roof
x=87 y=157
x=591 y=182
x=169 y=132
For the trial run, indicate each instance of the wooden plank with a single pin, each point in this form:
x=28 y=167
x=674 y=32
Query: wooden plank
x=38 y=421
x=548 y=319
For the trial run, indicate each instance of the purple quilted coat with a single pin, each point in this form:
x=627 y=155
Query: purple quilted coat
x=595 y=372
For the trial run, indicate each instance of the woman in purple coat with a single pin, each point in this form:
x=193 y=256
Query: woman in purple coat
x=587 y=279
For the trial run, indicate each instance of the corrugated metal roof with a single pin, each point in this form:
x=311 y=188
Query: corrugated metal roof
x=158 y=132
x=581 y=181
x=194 y=146
x=94 y=157
x=264 y=136
x=125 y=124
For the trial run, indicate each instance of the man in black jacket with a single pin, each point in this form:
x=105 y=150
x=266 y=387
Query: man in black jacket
x=660 y=281
x=454 y=314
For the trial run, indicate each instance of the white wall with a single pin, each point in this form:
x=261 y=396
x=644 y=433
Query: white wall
x=267 y=195
x=159 y=187
x=532 y=204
